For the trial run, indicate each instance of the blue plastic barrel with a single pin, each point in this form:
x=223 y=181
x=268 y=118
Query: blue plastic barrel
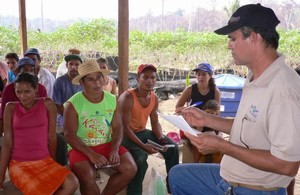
x=231 y=87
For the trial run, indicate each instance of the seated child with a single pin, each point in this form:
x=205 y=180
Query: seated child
x=211 y=107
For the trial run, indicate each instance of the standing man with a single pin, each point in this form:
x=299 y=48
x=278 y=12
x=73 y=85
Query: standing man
x=262 y=155
x=136 y=106
x=46 y=78
x=93 y=130
x=63 y=87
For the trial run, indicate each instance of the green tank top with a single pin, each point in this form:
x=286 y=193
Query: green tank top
x=94 y=119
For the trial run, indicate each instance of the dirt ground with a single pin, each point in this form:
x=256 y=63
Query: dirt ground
x=168 y=107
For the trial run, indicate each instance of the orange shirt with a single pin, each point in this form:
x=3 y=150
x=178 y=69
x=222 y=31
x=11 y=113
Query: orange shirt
x=140 y=114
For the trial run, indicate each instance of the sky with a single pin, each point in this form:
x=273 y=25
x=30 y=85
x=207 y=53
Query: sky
x=89 y=9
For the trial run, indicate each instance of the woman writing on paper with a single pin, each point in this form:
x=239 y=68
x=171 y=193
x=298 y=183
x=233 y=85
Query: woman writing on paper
x=200 y=93
x=205 y=89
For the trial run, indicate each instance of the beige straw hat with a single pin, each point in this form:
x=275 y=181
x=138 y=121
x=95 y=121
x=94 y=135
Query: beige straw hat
x=88 y=67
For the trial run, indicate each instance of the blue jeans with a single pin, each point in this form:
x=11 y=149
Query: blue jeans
x=197 y=179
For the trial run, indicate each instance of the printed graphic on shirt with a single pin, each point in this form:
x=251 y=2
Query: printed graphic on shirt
x=252 y=113
x=97 y=127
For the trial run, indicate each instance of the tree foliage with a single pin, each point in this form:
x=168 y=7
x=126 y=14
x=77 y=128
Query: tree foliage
x=232 y=7
x=9 y=40
x=178 y=49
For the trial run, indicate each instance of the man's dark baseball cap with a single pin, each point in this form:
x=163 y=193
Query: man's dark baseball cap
x=252 y=15
x=73 y=57
x=33 y=51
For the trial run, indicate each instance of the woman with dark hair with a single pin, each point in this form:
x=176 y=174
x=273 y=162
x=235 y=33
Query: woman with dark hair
x=200 y=93
x=30 y=143
x=205 y=89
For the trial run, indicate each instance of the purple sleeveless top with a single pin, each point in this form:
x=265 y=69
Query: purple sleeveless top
x=30 y=132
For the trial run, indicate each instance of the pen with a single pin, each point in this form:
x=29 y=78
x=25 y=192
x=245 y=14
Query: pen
x=195 y=104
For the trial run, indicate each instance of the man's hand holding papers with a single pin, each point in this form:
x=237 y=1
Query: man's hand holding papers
x=192 y=115
x=205 y=143
x=180 y=122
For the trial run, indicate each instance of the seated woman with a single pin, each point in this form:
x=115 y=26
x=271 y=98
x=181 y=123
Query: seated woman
x=199 y=93
x=30 y=143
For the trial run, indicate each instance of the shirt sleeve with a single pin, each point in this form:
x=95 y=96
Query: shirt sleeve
x=47 y=79
x=57 y=88
x=284 y=131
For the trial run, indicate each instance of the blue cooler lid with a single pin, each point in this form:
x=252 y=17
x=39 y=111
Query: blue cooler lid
x=229 y=81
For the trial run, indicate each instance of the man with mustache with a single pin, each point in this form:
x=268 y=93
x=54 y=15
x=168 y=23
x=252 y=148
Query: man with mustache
x=136 y=106
x=262 y=153
x=63 y=88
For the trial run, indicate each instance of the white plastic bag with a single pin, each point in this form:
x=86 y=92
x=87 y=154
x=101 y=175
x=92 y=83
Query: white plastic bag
x=157 y=185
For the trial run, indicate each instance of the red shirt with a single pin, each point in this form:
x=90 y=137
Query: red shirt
x=9 y=95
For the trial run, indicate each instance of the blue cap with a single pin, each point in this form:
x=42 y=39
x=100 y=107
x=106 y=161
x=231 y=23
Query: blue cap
x=25 y=61
x=32 y=51
x=206 y=67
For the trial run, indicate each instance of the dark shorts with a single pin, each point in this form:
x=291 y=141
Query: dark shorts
x=103 y=149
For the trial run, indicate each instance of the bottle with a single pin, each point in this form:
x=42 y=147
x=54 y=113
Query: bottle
x=158 y=184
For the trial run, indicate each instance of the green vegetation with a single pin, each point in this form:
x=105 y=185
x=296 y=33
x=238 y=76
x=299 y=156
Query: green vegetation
x=177 y=49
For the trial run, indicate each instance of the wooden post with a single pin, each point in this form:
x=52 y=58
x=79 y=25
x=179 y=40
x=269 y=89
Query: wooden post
x=23 y=26
x=123 y=34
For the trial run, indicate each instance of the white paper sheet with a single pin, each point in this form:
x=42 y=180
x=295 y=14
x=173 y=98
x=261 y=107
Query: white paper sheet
x=180 y=122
